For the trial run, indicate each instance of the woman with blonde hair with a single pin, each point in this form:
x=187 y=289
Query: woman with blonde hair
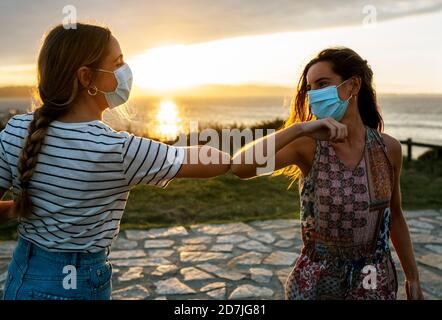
x=71 y=174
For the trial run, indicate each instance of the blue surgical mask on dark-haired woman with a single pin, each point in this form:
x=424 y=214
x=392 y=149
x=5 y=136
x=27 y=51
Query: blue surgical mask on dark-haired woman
x=325 y=102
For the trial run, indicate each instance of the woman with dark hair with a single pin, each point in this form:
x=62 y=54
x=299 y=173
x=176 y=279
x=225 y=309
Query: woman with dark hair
x=349 y=186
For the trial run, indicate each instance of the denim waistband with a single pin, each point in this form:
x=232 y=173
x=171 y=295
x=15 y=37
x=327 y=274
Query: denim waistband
x=26 y=248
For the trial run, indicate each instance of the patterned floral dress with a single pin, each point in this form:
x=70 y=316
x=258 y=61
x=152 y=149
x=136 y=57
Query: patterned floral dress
x=345 y=227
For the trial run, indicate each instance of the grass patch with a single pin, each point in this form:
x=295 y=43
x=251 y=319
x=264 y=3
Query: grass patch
x=216 y=200
x=230 y=199
x=421 y=184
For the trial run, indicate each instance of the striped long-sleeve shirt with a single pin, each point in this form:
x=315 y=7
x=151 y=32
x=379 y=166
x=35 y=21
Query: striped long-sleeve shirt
x=82 y=180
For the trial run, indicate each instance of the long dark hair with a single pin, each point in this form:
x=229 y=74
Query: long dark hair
x=62 y=53
x=346 y=63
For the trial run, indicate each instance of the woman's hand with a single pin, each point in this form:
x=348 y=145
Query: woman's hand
x=5 y=210
x=413 y=290
x=325 y=129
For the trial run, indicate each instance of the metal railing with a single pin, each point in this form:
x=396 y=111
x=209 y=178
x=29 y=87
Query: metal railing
x=410 y=143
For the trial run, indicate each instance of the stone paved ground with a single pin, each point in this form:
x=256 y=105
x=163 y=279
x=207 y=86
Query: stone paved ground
x=235 y=261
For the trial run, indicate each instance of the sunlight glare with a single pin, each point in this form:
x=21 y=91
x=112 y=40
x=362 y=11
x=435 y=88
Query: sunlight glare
x=168 y=120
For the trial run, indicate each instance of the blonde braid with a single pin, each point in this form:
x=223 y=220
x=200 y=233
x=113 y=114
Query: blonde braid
x=27 y=162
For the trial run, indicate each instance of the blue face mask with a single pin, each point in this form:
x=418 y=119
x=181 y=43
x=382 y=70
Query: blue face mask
x=326 y=103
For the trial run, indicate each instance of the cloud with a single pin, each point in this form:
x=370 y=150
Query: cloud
x=143 y=24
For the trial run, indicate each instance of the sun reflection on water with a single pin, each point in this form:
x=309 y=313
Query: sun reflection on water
x=169 y=122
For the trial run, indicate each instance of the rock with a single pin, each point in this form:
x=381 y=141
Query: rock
x=213 y=286
x=222 y=273
x=123 y=244
x=248 y=291
x=131 y=274
x=222 y=248
x=7 y=248
x=432 y=260
x=254 y=245
x=222 y=229
x=281 y=258
x=431 y=282
x=248 y=258
x=420 y=224
x=434 y=247
x=436 y=223
x=159 y=253
x=3 y=276
x=166 y=232
x=284 y=243
x=429 y=296
x=136 y=234
x=158 y=244
x=423 y=238
x=284 y=271
x=164 y=269
x=126 y=254
x=420 y=213
x=200 y=256
x=172 y=286
x=115 y=270
x=283 y=274
x=194 y=247
x=192 y=273
x=135 y=292
x=141 y=262
x=417 y=230
x=234 y=239
x=401 y=295
x=197 y=240
x=288 y=234
x=395 y=259
x=265 y=237
x=275 y=224
x=261 y=275
x=282 y=280
x=218 y=294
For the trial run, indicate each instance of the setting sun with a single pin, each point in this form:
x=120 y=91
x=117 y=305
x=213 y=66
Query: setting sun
x=165 y=69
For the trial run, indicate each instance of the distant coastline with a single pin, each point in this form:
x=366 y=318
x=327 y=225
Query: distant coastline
x=15 y=91
x=205 y=91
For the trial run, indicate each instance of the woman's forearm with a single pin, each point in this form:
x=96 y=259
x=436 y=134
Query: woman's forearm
x=245 y=162
x=400 y=237
x=5 y=209
x=204 y=162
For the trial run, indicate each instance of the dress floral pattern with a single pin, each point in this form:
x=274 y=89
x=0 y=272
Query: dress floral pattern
x=345 y=227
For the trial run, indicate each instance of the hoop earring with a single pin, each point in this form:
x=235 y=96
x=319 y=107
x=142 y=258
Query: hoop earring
x=94 y=93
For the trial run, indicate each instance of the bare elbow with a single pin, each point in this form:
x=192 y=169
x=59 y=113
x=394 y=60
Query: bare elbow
x=238 y=170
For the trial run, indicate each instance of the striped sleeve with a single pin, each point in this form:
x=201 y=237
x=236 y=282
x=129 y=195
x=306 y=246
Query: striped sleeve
x=5 y=169
x=146 y=161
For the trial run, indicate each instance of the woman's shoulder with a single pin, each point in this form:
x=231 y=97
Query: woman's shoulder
x=391 y=142
x=18 y=124
x=394 y=148
x=22 y=117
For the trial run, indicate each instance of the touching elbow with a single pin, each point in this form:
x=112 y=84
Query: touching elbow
x=239 y=171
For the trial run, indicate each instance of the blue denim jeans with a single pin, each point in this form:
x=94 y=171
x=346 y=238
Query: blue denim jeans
x=37 y=274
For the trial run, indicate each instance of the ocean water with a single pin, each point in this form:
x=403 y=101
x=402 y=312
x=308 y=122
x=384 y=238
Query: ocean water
x=413 y=116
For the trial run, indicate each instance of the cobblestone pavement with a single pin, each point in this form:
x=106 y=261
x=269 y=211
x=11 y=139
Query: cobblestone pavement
x=235 y=261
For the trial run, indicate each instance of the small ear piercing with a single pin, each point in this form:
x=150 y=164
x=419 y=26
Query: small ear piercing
x=94 y=92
